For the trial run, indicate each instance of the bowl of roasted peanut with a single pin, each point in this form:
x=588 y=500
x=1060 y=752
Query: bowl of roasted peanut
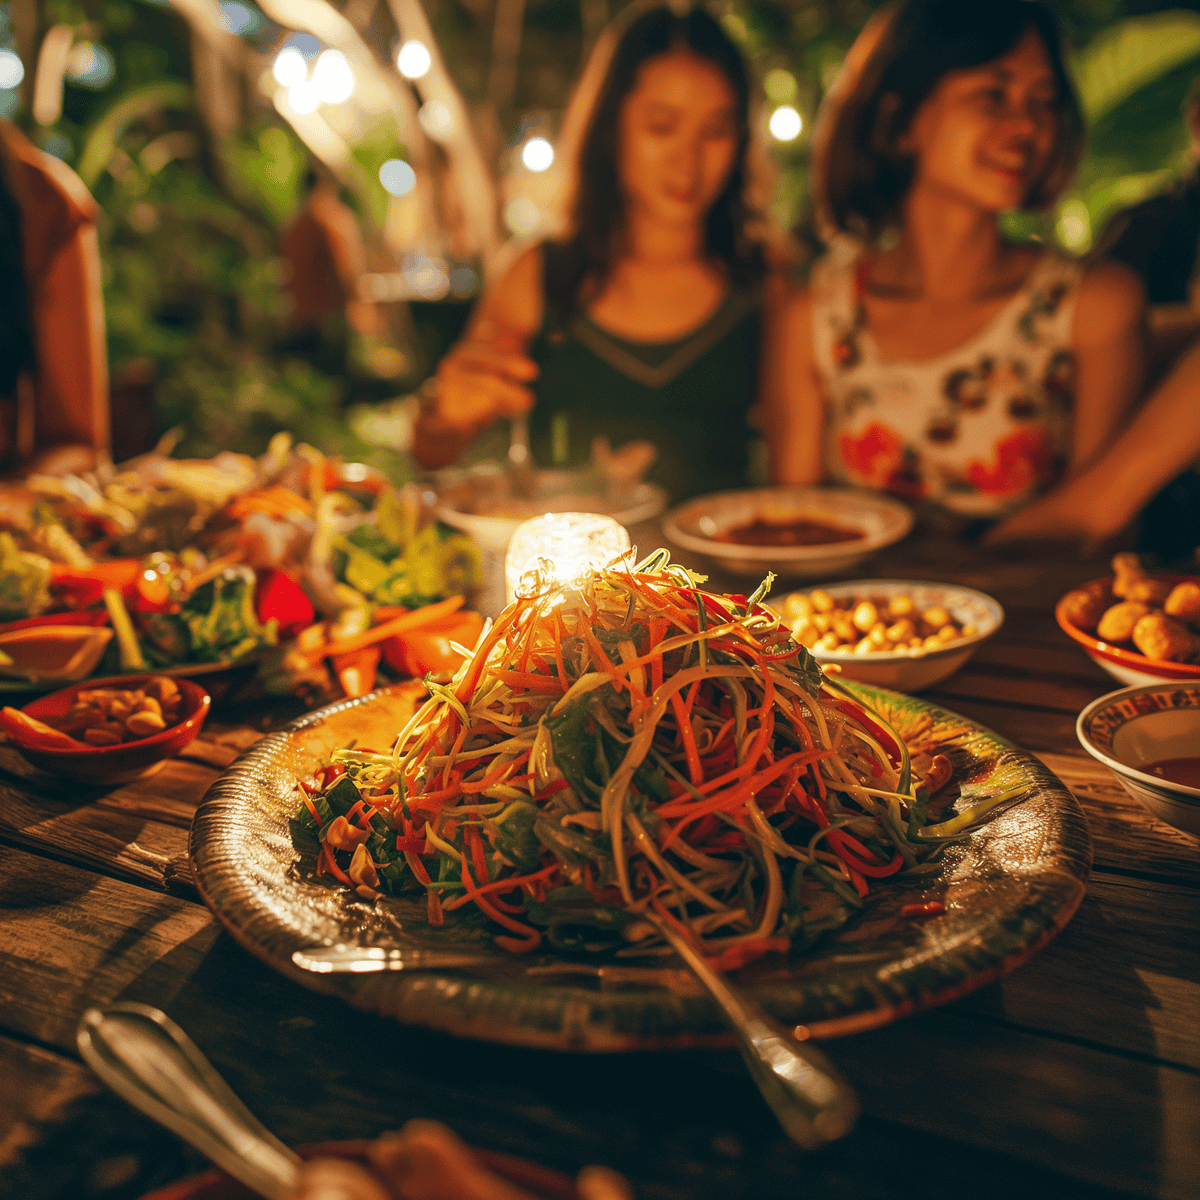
x=1140 y=628
x=897 y=633
x=108 y=731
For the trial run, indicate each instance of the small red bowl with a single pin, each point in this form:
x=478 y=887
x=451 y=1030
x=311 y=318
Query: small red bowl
x=1127 y=666
x=129 y=760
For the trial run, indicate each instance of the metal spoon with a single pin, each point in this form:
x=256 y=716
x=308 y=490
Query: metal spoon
x=807 y=1094
x=811 y=1100
x=149 y=1061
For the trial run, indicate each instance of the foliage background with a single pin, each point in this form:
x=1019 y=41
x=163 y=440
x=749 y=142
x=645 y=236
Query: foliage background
x=196 y=308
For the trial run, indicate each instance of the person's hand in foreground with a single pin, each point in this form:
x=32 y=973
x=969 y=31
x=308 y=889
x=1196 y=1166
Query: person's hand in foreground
x=426 y=1161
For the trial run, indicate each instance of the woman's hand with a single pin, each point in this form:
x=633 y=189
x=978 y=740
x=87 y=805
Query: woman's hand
x=481 y=380
x=1075 y=513
x=426 y=1161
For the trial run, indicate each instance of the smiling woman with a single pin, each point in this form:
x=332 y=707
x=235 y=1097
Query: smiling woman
x=644 y=322
x=928 y=356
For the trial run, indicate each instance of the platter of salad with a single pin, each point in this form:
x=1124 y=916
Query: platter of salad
x=289 y=561
x=631 y=745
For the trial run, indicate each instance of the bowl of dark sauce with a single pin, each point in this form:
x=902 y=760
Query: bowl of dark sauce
x=801 y=533
x=1149 y=737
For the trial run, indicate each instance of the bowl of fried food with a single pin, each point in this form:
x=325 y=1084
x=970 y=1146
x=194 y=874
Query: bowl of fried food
x=1140 y=628
x=108 y=731
x=896 y=633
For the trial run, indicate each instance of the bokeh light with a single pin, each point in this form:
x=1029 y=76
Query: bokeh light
x=537 y=154
x=1074 y=225
x=304 y=98
x=289 y=68
x=90 y=65
x=332 y=77
x=781 y=86
x=242 y=18
x=12 y=69
x=397 y=177
x=413 y=59
x=522 y=216
x=436 y=119
x=785 y=124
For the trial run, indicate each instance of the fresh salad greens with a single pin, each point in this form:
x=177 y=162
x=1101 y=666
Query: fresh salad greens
x=24 y=580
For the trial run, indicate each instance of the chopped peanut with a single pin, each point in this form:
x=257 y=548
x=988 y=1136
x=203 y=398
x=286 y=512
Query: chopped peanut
x=110 y=716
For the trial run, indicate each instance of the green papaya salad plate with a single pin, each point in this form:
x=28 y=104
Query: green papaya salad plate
x=987 y=900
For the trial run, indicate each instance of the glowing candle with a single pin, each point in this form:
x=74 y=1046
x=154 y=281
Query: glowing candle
x=563 y=546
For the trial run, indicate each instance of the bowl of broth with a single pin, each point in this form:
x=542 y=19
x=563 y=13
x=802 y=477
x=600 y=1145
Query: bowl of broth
x=801 y=533
x=1149 y=737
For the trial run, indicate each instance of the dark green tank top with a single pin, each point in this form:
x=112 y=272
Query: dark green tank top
x=690 y=397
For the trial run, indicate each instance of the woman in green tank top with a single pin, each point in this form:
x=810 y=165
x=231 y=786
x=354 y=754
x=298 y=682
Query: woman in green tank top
x=644 y=322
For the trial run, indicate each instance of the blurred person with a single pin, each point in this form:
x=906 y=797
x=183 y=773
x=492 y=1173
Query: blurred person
x=426 y=1161
x=927 y=355
x=54 y=414
x=325 y=257
x=643 y=322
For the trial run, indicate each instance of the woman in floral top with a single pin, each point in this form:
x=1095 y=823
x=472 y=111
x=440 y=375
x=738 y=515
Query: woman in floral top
x=928 y=356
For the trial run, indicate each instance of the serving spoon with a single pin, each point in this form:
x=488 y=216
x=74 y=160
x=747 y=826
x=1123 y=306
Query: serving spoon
x=804 y=1090
x=150 y=1062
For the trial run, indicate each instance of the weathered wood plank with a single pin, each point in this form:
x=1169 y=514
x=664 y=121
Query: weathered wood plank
x=115 y=843
x=62 y=1133
x=70 y=938
x=1124 y=974
x=1117 y=1122
x=82 y=940
x=1125 y=836
x=997 y=686
x=82 y=1141
x=1057 y=659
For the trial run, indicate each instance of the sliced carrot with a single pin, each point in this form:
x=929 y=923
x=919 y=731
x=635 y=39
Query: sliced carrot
x=355 y=670
x=37 y=735
x=736 y=957
x=415 y=619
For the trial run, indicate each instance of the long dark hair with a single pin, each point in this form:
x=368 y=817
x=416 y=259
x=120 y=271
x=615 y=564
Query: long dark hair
x=867 y=175
x=16 y=334
x=585 y=259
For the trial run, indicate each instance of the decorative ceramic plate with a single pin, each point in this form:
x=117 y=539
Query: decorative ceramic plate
x=1007 y=890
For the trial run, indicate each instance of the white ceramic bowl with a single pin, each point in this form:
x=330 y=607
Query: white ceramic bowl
x=696 y=525
x=917 y=670
x=1132 y=728
x=480 y=503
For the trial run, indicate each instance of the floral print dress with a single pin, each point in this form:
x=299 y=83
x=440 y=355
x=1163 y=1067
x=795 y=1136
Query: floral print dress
x=980 y=429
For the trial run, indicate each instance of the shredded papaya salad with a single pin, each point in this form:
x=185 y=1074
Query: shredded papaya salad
x=629 y=746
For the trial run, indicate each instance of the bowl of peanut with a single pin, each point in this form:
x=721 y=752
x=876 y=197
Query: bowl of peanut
x=897 y=633
x=108 y=731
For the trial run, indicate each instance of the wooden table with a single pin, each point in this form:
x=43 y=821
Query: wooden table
x=1077 y=1075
